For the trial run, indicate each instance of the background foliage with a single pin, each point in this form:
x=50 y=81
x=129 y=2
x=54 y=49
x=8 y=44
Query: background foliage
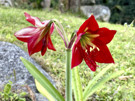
x=34 y=4
x=121 y=10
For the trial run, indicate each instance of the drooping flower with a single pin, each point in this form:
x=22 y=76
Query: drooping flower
x=91 y=44
x=38 y=37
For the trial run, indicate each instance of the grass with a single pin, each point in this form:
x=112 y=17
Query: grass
x=122 y=49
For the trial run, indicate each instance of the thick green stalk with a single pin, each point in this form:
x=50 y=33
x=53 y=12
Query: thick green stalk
x=68 y=76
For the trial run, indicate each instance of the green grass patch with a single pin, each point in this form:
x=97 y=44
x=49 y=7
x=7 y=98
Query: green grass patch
x=122 y=48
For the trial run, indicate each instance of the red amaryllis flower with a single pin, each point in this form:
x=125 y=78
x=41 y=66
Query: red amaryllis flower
x=37 y=36
x=91 y=43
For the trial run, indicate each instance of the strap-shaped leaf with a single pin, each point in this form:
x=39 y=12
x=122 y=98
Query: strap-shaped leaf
x=77 y=85
x=94 y=80
x=42 y=80
x=43 y=91
x=100 y=84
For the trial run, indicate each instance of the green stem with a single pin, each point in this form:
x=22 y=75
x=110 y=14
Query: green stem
x=68 y=76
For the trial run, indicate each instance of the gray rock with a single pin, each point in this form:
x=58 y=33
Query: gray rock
x=10 y=61
x=75 y=5
x=88 y=2
x=6 y=3
x=46 y=4
x=100 y=12
x=40 y=97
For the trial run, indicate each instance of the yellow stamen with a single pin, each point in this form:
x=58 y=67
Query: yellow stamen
x=86 y=29
x=98 y=49
x=91 y=49
x=92 y=35
x=87 y=39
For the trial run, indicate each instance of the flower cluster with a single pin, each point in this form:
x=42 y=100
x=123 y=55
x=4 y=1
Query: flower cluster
x=90 y=45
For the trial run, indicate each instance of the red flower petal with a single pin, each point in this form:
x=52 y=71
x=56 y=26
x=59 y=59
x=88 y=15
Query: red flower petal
x=102 y=55
x=90 y=23
x=45 y=22
x=52 y=28
x=26 y=33
x=105 y=35
x=50 y=45
x=76 y=57
x=33 y=46
x=44 y=47
x=34 y=49
x=43 y=51
x=33 y=20
x=90 y=65
x=88 y=60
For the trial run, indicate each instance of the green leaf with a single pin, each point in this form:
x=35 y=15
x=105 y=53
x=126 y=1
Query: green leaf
x=94 y=80
x=77 y=87
x=100 y=84
x=119 y=7
x=21 y=99
x=22 y=94
x=132 y=23
x=42 y=80
x=7 y=89
x=43 y=91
